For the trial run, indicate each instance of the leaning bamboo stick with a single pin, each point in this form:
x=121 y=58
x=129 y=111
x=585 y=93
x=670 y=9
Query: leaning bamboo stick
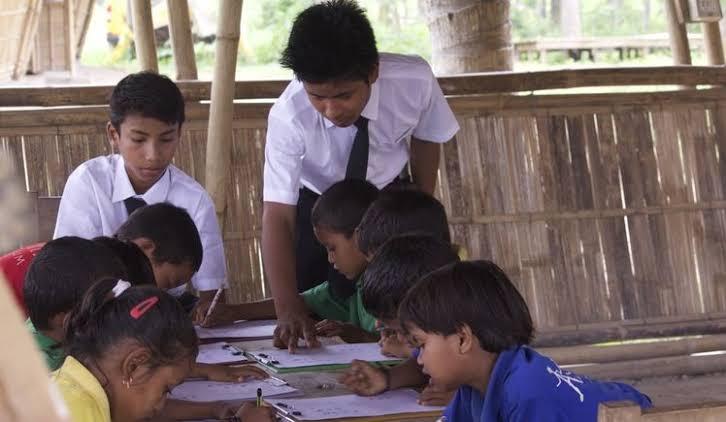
x=30 y=29
x=181 y=39
x=144 y=35
x=604 y=354
x=678 y=34
x=219 y=137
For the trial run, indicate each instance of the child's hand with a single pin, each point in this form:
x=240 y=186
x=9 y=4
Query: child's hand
x=392 y=346
x=224 y=373
x=221 y=314
x=249 y=412
x=433 y=395
x=364 y=379
x=346 y=331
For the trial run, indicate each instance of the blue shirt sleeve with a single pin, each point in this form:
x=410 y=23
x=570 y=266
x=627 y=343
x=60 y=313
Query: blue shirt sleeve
x=536 y=410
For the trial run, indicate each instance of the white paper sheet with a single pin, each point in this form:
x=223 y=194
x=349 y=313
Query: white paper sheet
x=352 y=406
x=337 y=354
x=206 y=391
x=240 y=330
x=221 y=352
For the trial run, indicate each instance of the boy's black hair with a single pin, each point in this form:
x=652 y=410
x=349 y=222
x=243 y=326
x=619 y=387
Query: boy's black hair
x=101 y=321
x=341 y=207
x=331 y=41
x=61 y=273
x=147 y=94
x=397 y=266
x=175 y=236
x=474 y=293
x=138 y=266
x=401 y=211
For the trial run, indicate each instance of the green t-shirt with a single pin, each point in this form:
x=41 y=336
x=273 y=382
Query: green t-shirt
x=323 y=303
x=52 y=350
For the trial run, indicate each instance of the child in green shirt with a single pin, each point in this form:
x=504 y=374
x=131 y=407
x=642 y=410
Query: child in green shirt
x=335 y=216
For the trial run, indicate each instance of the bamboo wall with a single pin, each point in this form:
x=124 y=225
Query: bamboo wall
x=15 y=28
x=603 y=208
x=49 y=52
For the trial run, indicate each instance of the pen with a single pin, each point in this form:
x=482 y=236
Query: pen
x=214 y=302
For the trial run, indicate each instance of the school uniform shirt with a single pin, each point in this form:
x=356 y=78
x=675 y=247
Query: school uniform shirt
x=305 y=149
x=527 y=386
x=52 y=351
x=321 y=300
x=93 y=205
x=14 y=265
x=82 y=393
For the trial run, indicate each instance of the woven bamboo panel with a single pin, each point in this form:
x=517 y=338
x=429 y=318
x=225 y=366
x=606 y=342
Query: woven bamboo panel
x=50 y=42
x=602 y=208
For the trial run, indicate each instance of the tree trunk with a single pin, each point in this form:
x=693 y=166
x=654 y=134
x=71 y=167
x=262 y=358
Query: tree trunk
x=469 y=35
x=570 y=18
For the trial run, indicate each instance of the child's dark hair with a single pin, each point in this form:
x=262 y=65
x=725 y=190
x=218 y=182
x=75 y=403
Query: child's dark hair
x=474 y=293
x=401 y=211
x=138 y=266
x=397 y=266
x=341 y=207
x=175 y=236
x=331 y=41
x=147 y=94
x=61 y=273
x=102 y=320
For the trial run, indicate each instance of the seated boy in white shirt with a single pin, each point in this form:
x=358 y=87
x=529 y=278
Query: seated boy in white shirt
x=146 y=116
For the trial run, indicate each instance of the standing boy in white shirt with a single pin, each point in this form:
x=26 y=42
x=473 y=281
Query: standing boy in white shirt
x=147 y=112
x=348 y=114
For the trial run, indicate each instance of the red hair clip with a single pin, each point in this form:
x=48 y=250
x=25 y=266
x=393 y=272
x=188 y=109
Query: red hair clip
x=139 y=310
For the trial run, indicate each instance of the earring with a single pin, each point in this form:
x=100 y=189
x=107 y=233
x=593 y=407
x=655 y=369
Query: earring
x=127 y=383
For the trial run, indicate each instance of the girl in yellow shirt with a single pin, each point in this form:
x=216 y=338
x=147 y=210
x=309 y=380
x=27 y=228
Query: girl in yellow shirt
x=127 y=348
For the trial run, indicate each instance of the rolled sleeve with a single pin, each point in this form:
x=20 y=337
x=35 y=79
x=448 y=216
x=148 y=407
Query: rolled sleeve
x=437 y=122
x=284 y=151
x=212 y=273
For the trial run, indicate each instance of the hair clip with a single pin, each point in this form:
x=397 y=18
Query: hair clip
x=139 y=310
x=120 y=287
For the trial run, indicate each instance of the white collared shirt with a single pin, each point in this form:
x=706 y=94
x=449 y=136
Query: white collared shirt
x=305 y=149
x=93 y=205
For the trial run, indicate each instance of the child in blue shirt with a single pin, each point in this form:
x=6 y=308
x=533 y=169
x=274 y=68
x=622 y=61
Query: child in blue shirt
x=472 y=328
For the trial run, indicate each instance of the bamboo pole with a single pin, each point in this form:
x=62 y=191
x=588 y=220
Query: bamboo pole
x=219 y=135
x=713 y=43
x=144 y=35
x=657 y=367
x=678 y=34
x=603 y=354
x=30 y=29
x=181 y=39
x=70 y=35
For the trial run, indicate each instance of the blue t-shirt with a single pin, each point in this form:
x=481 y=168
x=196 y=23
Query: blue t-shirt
x=527 y=386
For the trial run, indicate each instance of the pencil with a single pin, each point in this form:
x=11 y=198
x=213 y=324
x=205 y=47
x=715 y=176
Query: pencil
x=214 y=302
x=259 y=397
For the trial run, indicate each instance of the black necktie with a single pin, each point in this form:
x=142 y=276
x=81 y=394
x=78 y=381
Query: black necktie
x=133 y=203
x=358 y=160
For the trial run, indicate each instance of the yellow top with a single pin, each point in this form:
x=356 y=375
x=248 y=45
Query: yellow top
x=82 y=392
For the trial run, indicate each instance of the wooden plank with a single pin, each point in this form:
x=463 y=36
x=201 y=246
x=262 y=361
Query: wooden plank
x=469 y=84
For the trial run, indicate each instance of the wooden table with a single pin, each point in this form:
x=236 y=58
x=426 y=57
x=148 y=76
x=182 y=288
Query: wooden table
x=314 y=384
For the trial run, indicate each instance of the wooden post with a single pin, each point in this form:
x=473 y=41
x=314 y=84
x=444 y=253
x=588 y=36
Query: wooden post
x=70 y=36
x=181 y=39
x=219 y=134
x=713 y=43
x=678 y=35
x=144 y=35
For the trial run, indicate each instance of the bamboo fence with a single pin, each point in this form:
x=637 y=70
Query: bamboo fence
x=607 y=210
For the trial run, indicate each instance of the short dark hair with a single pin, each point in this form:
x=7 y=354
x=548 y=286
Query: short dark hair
x=341 y=207
x=401 y=211
x=138 y=266
x=147 y=94
x=474 y=293
x=397 y=266
x=102 y=320
x=175 y=236
x=61 y=272
x=331 y=41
